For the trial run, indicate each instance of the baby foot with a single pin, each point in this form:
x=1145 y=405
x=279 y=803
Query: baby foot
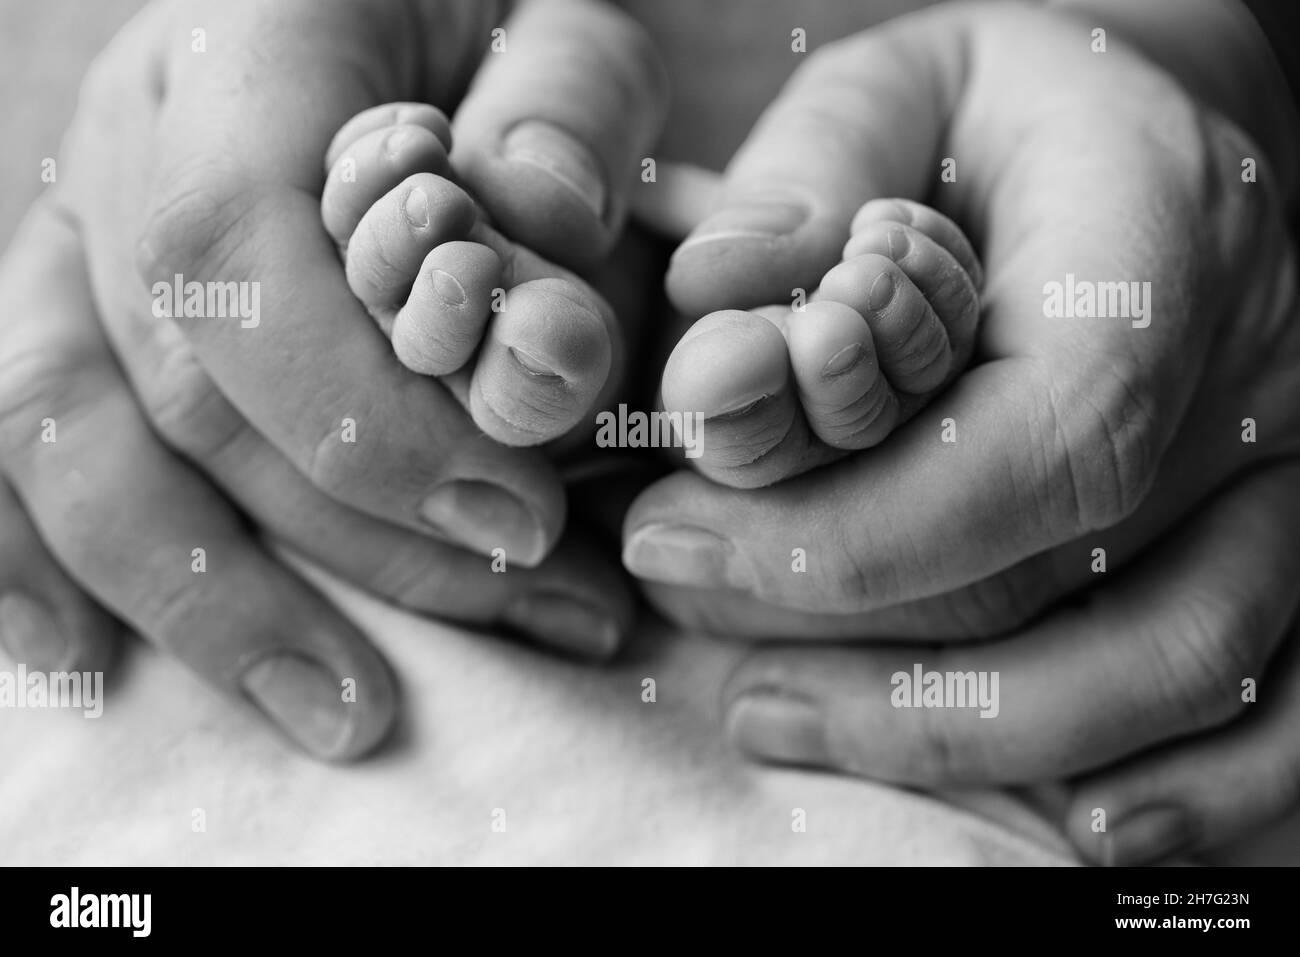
x=782 y=391
x=524 y=344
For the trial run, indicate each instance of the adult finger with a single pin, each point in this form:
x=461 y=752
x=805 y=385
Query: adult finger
x=150 y=539
x=860 y=119
x=46 y=621
x=551 y=135
x=1171 y=642
x=1206 y=791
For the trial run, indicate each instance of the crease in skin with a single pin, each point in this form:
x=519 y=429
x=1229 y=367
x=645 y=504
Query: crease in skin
x=539 y=435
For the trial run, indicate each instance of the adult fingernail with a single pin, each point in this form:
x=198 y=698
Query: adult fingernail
x=305 y=700
x=31 y=634
x=483 y=517
x=777 y=726
x=417 y=208
x=561 y=156
x=1150 y=834
x=762 y=221
x=565 y=622
x=684 y=555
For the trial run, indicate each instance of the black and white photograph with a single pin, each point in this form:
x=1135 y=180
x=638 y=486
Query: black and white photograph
x=639 y=433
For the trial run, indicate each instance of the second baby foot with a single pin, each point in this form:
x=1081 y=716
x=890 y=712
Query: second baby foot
x=783 y=390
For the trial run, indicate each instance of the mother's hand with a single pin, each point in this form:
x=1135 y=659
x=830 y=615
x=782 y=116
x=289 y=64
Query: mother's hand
x=198 y=149
x=1072 y=435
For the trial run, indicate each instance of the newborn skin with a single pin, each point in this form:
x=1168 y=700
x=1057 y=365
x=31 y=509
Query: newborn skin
x=524 y=344
x=786 y=388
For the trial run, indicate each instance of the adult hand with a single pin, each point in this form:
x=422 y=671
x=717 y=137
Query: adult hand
x=1070 y=435
x=198 y=149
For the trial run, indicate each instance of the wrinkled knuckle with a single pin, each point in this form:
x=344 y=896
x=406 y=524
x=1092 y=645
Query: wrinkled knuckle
x=1215 y=649
x=940 y=755
x=1104 y=450
x=35 y=385
x=173 y=613
x=856 y=583
x=409 y=576
x=185 y=408
x=190 y=228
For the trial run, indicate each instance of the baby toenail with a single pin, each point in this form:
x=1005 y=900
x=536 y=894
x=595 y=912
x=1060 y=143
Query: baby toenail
x=532 y=365
x=448 y=288
x=882 y=290
x=563 y=157
x=417 y=209
x=744 y=408
x=844 y=360
x=394 y=142
x=898 y=243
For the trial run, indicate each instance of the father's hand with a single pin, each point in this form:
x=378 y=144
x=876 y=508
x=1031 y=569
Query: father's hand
x=1073 y=434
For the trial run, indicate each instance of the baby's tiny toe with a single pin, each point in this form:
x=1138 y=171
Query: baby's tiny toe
x=545 y=358
x=372 y=166
x=924 y=219
x=398 y=232
x=945 y=283
x=725 y=363
x=846 y=398
x=440 y=327
x=911 y=343
x=386 y=115
x=732 y=372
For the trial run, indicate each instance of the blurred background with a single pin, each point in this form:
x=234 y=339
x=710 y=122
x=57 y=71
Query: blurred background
x=45 y=46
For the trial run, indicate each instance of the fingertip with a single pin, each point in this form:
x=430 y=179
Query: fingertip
x=371 y=167
x=546 y=189
x=752 y=254
x=63 y=631
x=335 y=711
x=385 y=115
